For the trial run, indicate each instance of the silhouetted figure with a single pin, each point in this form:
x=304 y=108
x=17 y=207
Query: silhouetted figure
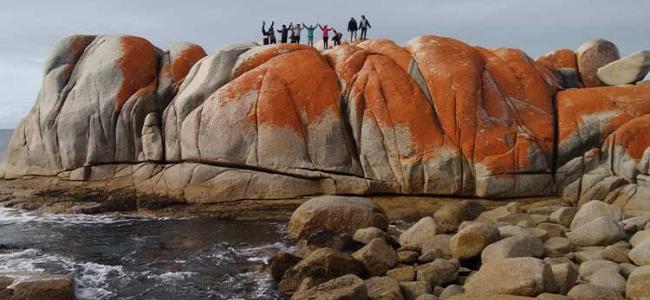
x=310 y=33
x=269 y=36
x=364 y=25
x=326 y=36
x=296 y=31
x=284 y=33
x=352 y=28
x=337 y=37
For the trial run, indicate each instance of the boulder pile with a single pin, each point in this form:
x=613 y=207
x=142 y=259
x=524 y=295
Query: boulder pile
x=433 y=117
x=542 y=251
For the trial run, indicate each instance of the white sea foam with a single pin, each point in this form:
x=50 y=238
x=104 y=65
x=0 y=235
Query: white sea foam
x=10 y=216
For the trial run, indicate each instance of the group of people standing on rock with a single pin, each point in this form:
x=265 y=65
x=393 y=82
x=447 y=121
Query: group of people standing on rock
x=293 y=32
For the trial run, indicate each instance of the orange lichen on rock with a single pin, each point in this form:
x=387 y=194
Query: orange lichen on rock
x=139 y=66
x=561 y=58
x=184 y=61
x=607 y=107
x=261 y=55
x=388 y=48
x=633 y=136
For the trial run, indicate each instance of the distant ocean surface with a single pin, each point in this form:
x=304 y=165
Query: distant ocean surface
x=5 y=135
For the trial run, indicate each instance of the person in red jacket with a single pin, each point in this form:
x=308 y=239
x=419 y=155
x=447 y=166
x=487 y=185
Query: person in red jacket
x=326 y=35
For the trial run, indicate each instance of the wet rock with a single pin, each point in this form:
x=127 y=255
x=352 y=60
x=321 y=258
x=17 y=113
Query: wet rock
x=280 y=263
x=471 y=240
x=413 y=289
x=516 y=246
x=601 y=231
x=336 y=213
x=36 y=285
x=419 y=233
x=593 y=210
x=521 y=276
x=439 y=272
x=451 y=215
x=383 y=288
x=377 y=257
x=627 y=70
x=321 y=265
x=638 y=284
x=593 y=55
x=563 y=216
x=88 y=208
x=347 y=287
x=591 y=292
x=402 y=274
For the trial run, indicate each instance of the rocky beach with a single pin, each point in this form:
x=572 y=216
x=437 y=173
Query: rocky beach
x=432 y=170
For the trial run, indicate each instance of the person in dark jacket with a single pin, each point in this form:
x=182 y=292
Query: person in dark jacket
x=364 y=25
x=284 y=33
x=269 y=36
x=352 y=28
x=337 y=37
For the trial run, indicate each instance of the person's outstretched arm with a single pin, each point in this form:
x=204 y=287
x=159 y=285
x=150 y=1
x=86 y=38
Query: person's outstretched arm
x=368 y=23
x=321 y=27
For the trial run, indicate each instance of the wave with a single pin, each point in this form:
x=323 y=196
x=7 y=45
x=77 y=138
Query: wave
x=11 y=216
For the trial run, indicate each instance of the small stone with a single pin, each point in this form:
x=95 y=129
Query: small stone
x=452 y=290
x=589 y=253
x=419 y=233
x=516 y=246
x=549 y=296
x=402 y=274
x=407 y=257
x=591 y=292
x=377 y=257
x=439 y=272
x=470 y=241
x=627 y=269
x=640 y=254
x=557 y=246
x=514 y=230
x=413 y=289
x=280 y=263
x=640 y=237
x=616 y=253
x=601 y=231
x=383 y=288
x=563 y=216
x=366 y=235
x=627 y=70
x=430 y=256
x=439 y=243
x=38 y=285
x=589 y=268
x=593 y=210
x=638 y=284
x=450 y=216
x=609 y=280
x=593 y=55
x=634 y=224
x=553 y=230
x=346 y=287
x=427 y=297
x=566 y=276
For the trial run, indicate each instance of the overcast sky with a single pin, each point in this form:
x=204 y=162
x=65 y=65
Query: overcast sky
x=29 y=28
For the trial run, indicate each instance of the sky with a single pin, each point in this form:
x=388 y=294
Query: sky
x=29 y=28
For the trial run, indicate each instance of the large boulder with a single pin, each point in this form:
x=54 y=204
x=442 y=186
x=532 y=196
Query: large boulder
x=593 y=55
x=336 y=213
x=593 y=210
x=521 y=276
x=321 y=265
x=602 y=231
x=33 y=285
x=471 y=240
x=348 y=287
x=627 y=70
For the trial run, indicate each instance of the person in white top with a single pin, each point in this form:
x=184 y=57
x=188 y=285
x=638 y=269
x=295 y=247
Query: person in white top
x=296 y=31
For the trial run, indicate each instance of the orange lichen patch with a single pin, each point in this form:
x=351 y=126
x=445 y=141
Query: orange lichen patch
x=388 y=48
x=561 y=58
x=346 y=60
x=288 y=90
x=633 y=136
x=610 y=106
x=266 y=53
x=183 y=62
x=516 y=159
x=452 y=70
x=139 y=66
x=525 y=91
x=386 y=92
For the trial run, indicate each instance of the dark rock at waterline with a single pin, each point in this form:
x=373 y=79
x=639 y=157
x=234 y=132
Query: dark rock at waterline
x=33 y=285
x=280 y=263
